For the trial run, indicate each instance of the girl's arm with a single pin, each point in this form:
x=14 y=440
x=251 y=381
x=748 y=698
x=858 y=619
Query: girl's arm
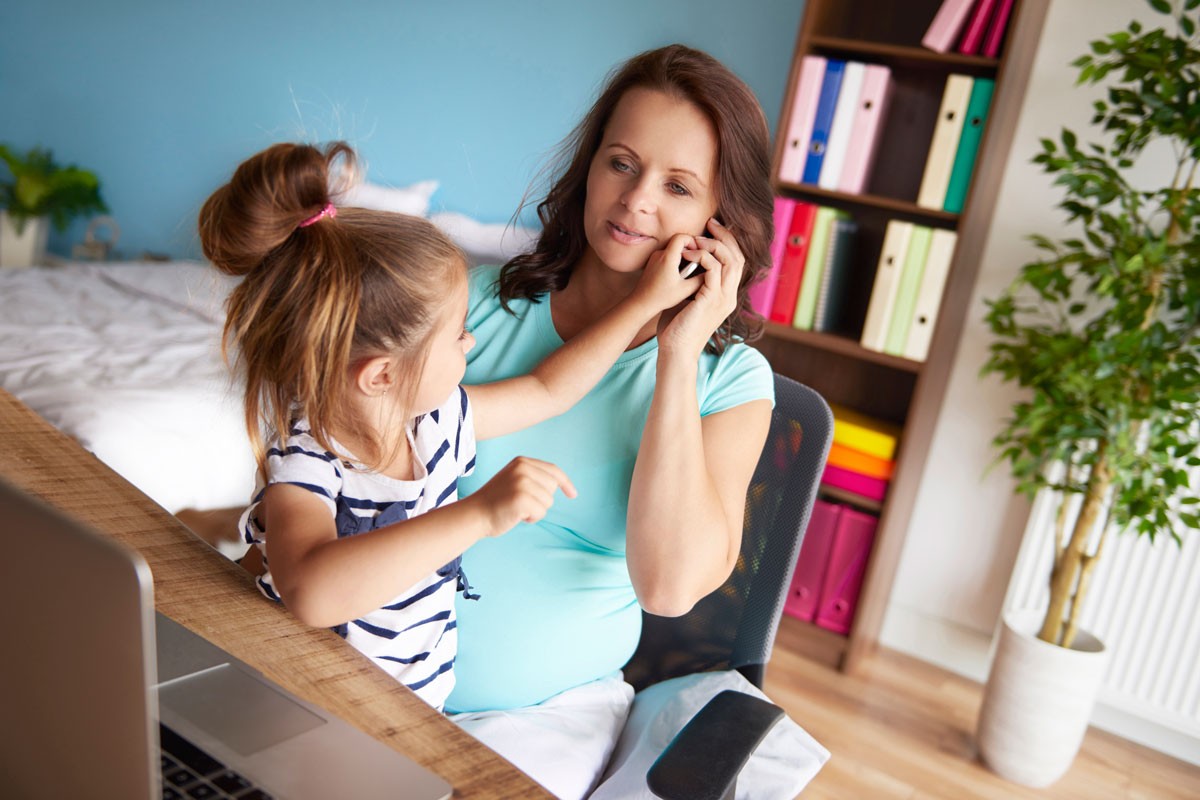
x=688 y=495
x=566 y=375
x=326 y=581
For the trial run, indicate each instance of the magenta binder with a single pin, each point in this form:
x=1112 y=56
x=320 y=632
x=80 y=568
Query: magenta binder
x=762 y=294
x=995 y=32
x=854 y=482
x=805 y=591
x=947 y=24
x=804 y=111
x=848 y=558
x=972 y=37
x=868 y=124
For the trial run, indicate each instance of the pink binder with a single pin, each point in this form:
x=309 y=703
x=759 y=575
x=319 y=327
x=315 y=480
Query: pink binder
x=946 y=25
x=995 y=32
x=873 y=102
x=805 y=591
x=762 y=294
x=972 y=37
x=848 y=558
x=854 y=482
x=804 y=111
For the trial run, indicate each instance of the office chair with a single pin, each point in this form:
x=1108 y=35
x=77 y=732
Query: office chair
x=734 y=627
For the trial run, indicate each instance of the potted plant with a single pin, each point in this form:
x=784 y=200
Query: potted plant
x=1102 y=334
x=38 y=191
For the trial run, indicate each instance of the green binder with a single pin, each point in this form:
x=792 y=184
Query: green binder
x=968 y=144
x=810 y=283
x=906 y=294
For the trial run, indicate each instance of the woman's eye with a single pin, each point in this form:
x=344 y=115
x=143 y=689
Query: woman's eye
x=679 y=189
x=620 y=165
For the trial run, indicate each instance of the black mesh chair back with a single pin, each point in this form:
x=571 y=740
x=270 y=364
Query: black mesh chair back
x=734 y=627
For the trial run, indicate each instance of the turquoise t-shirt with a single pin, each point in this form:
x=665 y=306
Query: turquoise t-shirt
x=557 y=606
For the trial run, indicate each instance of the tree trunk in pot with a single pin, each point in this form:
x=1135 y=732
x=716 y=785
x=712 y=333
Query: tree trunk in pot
x=1038 y=701
x=26 y=248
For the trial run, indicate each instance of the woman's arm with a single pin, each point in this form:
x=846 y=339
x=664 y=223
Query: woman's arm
x=325 y=580
x=566 y=375
x=688 y=495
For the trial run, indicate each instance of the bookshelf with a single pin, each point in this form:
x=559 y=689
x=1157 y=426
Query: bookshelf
x=904 y=392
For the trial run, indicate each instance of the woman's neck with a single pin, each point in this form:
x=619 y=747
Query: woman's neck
x=592 y=291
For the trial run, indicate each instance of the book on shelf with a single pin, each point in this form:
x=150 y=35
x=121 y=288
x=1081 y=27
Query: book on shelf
x=863 y=463
x=833 y=292
x=791 y=269
x=906 y=291
x=842 y=125
x=810 y=282
x=929 y=297
x=873 y=102
x=854 y=482
x=804 y=592
x=762 y=294
x=944 y=144
x=885 y=284
x=800 y=121
x=818 y=140
x=845 y=569
x=978 y=105
x=996 y=29
x=973 y=32
x=947 y=24
x=862 y=432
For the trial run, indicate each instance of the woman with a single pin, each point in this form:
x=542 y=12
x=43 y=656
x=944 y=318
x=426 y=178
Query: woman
x=674 y=156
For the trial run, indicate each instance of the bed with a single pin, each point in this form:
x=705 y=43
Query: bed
x=125 y=357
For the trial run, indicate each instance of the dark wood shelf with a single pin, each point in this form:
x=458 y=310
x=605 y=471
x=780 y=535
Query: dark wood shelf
x=902 y=55
x=841 y=345
x=900 y=208
x=850 y=498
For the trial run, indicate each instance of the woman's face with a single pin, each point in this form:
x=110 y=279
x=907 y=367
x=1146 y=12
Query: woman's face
x=653 y=176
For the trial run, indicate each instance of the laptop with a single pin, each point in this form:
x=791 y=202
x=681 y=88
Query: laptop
x=102 y=697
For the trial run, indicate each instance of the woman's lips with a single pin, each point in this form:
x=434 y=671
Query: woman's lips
x=625 y=235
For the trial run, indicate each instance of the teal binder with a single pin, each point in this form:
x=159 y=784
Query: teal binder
x=968 y=144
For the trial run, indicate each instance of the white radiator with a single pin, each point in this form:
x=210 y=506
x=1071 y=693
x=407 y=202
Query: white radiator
x=1144 y=605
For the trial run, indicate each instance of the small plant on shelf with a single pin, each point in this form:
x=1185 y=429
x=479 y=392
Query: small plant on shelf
x=38 y=187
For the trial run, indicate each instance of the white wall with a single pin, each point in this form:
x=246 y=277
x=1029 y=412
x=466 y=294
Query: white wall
x=967 y=526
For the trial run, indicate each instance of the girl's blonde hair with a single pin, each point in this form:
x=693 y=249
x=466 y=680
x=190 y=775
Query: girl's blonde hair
x=318 y=299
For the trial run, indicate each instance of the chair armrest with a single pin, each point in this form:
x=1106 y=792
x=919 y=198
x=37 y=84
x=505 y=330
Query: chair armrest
x=702 y=762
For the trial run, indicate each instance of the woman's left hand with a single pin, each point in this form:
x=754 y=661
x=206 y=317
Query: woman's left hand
x=687 y=328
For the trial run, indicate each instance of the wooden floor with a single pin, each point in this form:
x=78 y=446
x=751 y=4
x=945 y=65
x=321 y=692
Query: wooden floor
x=903 y=729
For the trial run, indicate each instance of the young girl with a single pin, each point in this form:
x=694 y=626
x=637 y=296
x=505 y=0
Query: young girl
x=348 y=331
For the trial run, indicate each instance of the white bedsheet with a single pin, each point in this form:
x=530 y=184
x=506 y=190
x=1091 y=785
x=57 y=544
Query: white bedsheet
x=125 y=357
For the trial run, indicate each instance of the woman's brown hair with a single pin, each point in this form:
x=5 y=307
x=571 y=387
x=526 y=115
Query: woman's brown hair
x=744 y=197
x=318 y=298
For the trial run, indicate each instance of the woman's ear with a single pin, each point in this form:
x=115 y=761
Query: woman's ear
x=375 y=376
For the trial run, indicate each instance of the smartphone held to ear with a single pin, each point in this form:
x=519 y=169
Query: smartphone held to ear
x=690 y=269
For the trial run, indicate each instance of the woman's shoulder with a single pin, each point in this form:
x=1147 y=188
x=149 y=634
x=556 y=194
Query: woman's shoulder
x=738 y=375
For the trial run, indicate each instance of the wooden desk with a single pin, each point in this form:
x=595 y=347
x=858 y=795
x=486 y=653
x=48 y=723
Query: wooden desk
x=201 y=589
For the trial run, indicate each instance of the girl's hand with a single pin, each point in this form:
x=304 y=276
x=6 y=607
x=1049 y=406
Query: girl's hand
x=688 y=328
x=662 y=284
x=521 y=492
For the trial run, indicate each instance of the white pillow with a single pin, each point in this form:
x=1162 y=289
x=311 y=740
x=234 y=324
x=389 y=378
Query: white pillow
x=485 y=243
x=412 y=200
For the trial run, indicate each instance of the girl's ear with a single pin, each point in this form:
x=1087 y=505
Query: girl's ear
x=375 y=376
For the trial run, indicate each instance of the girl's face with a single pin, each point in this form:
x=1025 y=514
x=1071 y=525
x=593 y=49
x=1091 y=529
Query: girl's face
x=653 y=176
x=447 y=359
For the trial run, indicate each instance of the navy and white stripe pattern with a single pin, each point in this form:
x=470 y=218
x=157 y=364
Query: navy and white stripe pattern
x=414 y=637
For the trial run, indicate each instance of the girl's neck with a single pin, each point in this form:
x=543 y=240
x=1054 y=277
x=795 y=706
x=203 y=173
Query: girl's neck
x=397 y=452
x=592 y=291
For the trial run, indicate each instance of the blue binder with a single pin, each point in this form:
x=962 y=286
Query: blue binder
x=826 y=104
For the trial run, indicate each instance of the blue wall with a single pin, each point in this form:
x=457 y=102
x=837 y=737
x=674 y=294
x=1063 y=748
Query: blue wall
x=162 y=98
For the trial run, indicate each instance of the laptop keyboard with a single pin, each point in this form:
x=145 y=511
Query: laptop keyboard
x=189 y=773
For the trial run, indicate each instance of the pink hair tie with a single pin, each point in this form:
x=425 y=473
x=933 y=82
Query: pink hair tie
x=327 y=211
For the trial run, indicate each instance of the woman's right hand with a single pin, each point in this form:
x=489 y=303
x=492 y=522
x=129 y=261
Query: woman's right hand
x=662 y=285
x=520 y=492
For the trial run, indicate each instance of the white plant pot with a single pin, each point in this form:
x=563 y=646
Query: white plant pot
x=26 y=248
x=1037 y=702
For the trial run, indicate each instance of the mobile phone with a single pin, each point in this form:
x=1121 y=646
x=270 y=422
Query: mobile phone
x=686 y=266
